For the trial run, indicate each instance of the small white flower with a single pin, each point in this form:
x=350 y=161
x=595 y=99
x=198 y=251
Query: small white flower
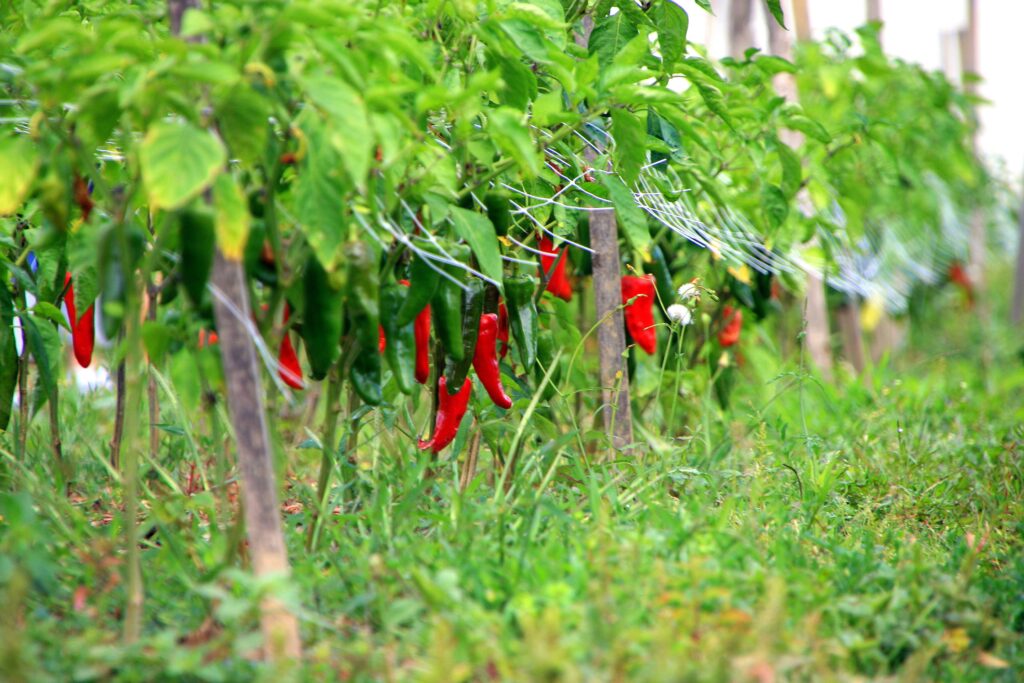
x=680 y=314
x=688 y=291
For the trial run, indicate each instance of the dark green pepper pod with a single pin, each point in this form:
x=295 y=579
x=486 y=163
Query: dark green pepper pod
x=446 y=306
x=499 y=212
x=321 y=319
x=522 y=316
x=120 y=249
x=658 y=267
x=545 y=355
x=472 y=309
x=364 y=316
x=198 y=242
x=400 y=350
x=423 y=283
x=582 y=260
x=8 y=356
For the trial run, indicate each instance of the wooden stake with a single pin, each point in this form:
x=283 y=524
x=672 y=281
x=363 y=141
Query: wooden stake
x=611 y=335
x=741 y=35
x=1018 y=284
x=258 y=483
x=815 y=307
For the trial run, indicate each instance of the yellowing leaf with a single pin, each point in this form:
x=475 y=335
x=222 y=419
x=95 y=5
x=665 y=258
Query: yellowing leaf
x=231 y=220
x=742 y=274
x=18 y=164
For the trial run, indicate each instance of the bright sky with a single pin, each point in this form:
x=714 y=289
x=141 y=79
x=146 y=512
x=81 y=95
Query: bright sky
x=923 y=31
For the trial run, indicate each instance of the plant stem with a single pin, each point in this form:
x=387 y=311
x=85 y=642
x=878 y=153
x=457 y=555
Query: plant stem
x=115 y=442
x=328 y=450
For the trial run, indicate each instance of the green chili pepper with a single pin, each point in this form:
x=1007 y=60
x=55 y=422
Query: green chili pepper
x=582 y=260
x=472 y=309
x=364 y=316
x=546 y=354
x=8 y=356
x=446 y=306
x=658 y=267
x=401 y=339
x=498 y=212
x=321 y=319
x=522 y=316
x=423 y=284
x=198 y=242
x=120 y=248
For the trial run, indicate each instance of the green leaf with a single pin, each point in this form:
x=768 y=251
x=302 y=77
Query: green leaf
x=630 y=217
x=243 y=117
x=156 y=337
x=348 y=126
x=44 y=345
x=479 y=234
x=630 y=144
x=775 y=7
x=774 y=205
x=231 y=219
x=19 y=162
x=511 y=135
x=520 y=83
x=319 y=192
x=705 y=5
x=792 y=171
x=528 y=38
x=714 y=101
x=178 y=162
x=808 y=127
x=44 y=309
x=609 y=36
x=673 y=23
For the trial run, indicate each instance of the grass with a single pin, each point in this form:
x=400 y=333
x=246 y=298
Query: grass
x=866 y=530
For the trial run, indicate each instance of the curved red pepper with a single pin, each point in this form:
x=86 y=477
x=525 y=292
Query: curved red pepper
x=83 y=335
x=558 y=281
x=729 y=335
x=503 y=328
x=450 y=412
x=421 y=331
x=640 y=314
x=485 y=361
x=289 y=368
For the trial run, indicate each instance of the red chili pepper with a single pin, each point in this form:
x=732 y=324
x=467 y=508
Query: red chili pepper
x=558 y=281
x=421 y=331
x=289 y=368
x=207 y=338
x=730 y=332
x=382 y=343
x=83 y=335
x=503 y=328
x=640 y=314
x=449 y=415
x=958 y=276
x=485 y=361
